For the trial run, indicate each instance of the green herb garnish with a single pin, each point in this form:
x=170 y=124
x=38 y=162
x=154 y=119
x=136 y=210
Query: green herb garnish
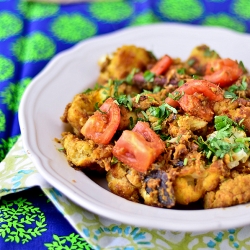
x=98 y=109
x=231 y=92
x=125 y=100
x=210 y=53
x=191 y=62
x=181 y=71
x=176 y=95
x=130 y=76
x=242 y=66
x=148 y=76
x=229 y=138
x=180 y=83
x=156 y=89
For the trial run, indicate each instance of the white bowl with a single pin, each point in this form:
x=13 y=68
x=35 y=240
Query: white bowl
x=75 y=70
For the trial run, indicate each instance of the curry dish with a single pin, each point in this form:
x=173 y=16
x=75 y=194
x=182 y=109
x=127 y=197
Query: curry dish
x=165 y=132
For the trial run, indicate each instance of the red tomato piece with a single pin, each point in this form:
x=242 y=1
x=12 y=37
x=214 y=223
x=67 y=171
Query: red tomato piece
x=150 y=136
x=162 y=65
x=139 y=148
x=208 y=89
x=191 y=103
x=133 y=150
x=172 y=102
x=102 y=125
x=223 y=72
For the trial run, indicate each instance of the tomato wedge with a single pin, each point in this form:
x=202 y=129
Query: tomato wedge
x=138 y=148
x=162 y=65
x=102 y=125
x=132 y=149
x=191 y=103
x=172 y=102
x=208 y=89
x=150 y=136
x=223 y=72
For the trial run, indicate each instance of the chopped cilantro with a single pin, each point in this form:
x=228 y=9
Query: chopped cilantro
x=178 y=138
x=116 y=83
x=222 y=121
x=148 y=76
x=131 y=123
x=231 y=92
x=157 y=127
x=230 y=95
x=114 y=160
x=176 y=95
x=172 y=109
x=191 y=62
x=225 y=140
x=180 y=83
x=164 y=137
x=209 y=53
x=151 y=54
x=156 y=89
x=196 y=77
x=162 y=111
x=137 y=98
x=145 y=115
x=96 y=87
x=98 y=109
x=130 y=76
x=241 y=64
x=125 y=100
x=87 y=91
x=181 y=71
x=242 y=86
x=185 y=162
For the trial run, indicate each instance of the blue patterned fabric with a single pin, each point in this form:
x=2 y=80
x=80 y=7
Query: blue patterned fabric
x=32 y=33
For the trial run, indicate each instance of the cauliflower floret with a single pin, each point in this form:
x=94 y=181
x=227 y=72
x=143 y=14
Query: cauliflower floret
x=82 y=106
x=123 y=61
x=124 y=182
x=237 y=153
x=231 y=192
x=191 y=122
x=86 y=154
x=199 y=57
x=195 y=179
x=240 y=156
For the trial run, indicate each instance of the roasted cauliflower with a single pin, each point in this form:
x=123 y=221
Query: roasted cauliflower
x=165 y=132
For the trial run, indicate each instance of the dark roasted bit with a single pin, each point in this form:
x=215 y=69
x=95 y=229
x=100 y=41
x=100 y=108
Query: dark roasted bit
x=142 y=83
x=157 y=189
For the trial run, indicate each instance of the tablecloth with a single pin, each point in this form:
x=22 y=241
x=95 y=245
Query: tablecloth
x=33 y=214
